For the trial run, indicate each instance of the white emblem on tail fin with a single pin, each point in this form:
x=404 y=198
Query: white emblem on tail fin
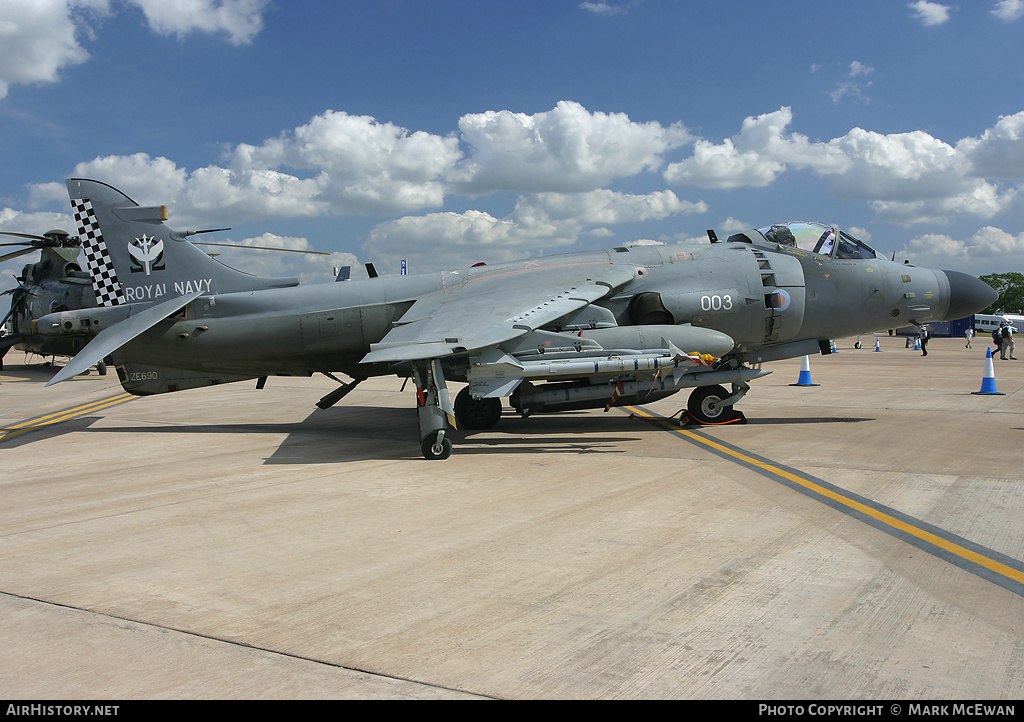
x=97 y=258
x=146 y=255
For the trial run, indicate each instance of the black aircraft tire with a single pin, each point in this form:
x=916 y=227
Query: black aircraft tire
x=700 y=401
x=476 y=414
x=428 y=447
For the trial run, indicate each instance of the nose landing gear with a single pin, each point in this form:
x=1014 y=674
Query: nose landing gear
x=711 y=405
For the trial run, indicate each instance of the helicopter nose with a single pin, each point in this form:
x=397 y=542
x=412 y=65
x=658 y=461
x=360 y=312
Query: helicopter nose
x=967 y=295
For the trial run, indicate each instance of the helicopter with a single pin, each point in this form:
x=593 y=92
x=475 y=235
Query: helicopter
x=56 y=282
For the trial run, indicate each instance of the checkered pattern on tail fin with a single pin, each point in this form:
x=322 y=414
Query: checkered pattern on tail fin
x=97 y=258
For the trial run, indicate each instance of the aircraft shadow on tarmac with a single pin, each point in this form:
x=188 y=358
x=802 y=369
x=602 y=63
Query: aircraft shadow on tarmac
x=808 y=420
x=37 y=372
x=358 y=433
x=13 y=438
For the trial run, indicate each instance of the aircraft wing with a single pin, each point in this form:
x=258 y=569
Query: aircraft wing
x=114 y=337
x=485 y=312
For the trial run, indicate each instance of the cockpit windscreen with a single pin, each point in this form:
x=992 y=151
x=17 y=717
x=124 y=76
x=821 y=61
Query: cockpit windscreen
x=817 y=238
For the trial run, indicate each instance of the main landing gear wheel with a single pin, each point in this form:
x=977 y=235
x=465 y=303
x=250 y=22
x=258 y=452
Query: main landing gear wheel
x=476 y=414
x=705 y=405
x=434 y=449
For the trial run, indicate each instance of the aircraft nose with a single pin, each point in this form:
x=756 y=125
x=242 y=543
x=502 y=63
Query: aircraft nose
x=967 y=295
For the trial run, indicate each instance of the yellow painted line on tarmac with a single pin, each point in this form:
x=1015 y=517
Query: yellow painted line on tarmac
x=992 y=565
x=73 y=412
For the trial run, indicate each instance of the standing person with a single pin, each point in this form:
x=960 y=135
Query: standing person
x=925 y=335
x=1006 y=341
x=969 y=334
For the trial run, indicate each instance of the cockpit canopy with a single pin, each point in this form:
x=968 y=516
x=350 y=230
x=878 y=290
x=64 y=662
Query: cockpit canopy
x=814 y=238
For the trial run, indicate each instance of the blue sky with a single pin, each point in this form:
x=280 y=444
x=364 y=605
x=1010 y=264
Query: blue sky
x=454 y=132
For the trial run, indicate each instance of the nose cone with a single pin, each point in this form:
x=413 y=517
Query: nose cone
x=967 y=295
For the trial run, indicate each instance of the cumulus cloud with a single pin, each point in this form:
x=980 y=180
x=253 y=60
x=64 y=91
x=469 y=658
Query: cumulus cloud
x=987 y=249
x=991 y=241
x=723 y=166
x=1009 y=10
x=545 y=222
x=895 y=165
x=755 y=157
x=606 y=207
x=240 y=20
x=906 y=177
x=999 y=152
x=981 y=201
x=16 y=221
x=861 y=233
x=930 y=13
x=335 y=164
x=39 y=38
x=445 y=240
x=566 y=149
x=345 y=164
x=560 y=164
x=148 y=178
x=360 y=165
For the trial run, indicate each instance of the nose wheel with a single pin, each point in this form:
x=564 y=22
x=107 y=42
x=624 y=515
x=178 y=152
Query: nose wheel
x=705 y=405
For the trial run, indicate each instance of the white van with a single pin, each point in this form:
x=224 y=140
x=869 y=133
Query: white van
x=985 y=324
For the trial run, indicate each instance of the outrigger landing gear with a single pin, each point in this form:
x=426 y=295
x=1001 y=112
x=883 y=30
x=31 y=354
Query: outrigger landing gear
x=433 y=409
x=436 y=445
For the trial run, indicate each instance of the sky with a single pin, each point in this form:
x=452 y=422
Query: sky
x=450 y=132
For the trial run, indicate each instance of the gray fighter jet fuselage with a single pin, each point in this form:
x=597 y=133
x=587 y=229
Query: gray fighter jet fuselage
x=579 y=330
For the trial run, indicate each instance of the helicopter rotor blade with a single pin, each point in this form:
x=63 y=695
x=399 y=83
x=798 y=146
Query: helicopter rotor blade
x=22 y=252
x=54 y=239
x=208 y=230
x=261 y=248
x=21 y=235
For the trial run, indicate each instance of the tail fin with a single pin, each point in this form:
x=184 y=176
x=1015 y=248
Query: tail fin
x=134 y=257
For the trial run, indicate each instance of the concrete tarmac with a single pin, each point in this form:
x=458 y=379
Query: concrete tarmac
x=858 y=539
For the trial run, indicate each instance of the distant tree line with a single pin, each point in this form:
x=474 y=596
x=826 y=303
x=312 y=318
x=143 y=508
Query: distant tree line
x=1010 y=287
